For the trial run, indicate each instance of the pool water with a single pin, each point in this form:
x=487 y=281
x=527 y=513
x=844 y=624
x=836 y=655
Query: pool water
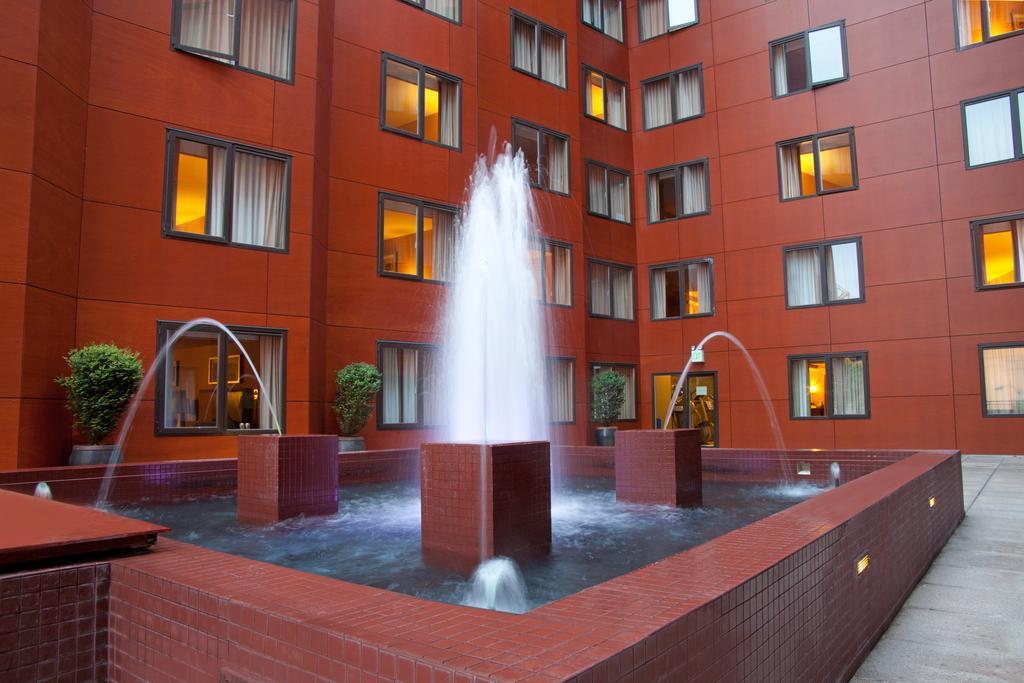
x=374 y=539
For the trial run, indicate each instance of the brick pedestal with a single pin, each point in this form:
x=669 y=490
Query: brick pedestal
x=286 y=476
x=513 y=516
x=657 y=466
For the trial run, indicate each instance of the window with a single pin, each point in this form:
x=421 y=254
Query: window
x=673 y=97
x=809 y=59
x=682 y=290
x=993 y=127
x=221 y=191
x=449 y=9
x=818 y=164
x=605 y=16
x=420 y=102
x=546 y=154
x=604 y=98
x=1002 y=379
x=253 y=35
x=552 y=268
x=611 y=290
x=562 y=389
x=979 y=21
x=628 y=372
x=677 y=191
x=999 y=251
x=658 y=17
x=208 y=386
x=824 y=273
x=417 y=239
x=408 y=394
x=538 y=49
x=829 y=385
x=608 y=192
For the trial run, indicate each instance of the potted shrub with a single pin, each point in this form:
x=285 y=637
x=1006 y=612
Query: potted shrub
x=357 y=387
x=608 y=389
x=102 y=381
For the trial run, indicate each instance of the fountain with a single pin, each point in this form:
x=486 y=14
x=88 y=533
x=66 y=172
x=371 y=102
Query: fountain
x=497 y=584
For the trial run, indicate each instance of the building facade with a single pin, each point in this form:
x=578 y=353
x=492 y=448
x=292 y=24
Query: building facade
x=837 y=184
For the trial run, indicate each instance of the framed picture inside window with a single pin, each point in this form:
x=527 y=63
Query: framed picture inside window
x=234 y=369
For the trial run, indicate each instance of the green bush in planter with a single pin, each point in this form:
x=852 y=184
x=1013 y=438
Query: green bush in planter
x=357 y=386
x=608 y=389
x=103 y=379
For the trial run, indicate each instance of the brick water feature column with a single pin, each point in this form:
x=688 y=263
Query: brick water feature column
x=658 y=466
x=285 y=476
x=483 y=500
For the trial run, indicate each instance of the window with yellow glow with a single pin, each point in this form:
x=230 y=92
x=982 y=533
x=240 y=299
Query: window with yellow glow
x=552 y=267
x=1002 y=379
x=677 y=191
x=595 y=102
x=605 y=98
x=1000 y=250
x=421 y=103
x=605 y=16
x=818 y=164
x=197 y=166
x=982 y=20
x=829 y=386
x=417 y=239
x=400 y=230
x=683 y=289
x=546 y=154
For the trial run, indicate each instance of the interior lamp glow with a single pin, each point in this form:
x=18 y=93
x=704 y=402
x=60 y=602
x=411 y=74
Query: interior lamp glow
x=931 y=501
x=862 y=564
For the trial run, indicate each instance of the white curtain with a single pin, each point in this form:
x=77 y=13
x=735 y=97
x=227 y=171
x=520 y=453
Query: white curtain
x=265 y=40
x=446 y=8
x=410 y=373
x=653 y=18
x=218 y=191
x=694 y=189
x=989 y=131
x=431 y=402
x=1020 y=248
x=561 y=389
x=208 y=25
x=613 y=18
x=1004 y=380
x=524 y=45
x=688 y=102
x=803 y=277
x=560 y=257
x=600 y=289
x=628 y=410
x=779 y=69
x=597 y=194
x=443 y=260
x=654 y=198
x=657 y=103
x=848 y=386
x=789 y=171
x=618 y=196
x=556 y=153
x=842 y=271
x=622 y=293
x=448 y=124
x=391 y=410
x=701 y=280
x=270 y=372
x=801 y=390
x=552 y=57
x=259 y=201
x=616 y=103
x=965 y=25
x=592 y=12
x=658 y=304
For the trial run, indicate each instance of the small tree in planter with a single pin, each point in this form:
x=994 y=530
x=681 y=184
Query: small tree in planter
x=357 y=386
x=608 y=389
x=102 y=381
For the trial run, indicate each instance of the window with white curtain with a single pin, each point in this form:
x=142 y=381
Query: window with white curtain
x=604 y=98
x=208 y=383
x=448 y=9
x=605 y=16
x=538 y=49
x=678 y=191
x=979 y=21
x=1002 y=379
x=221 y=191
x=254 y=35
x=552 y=269
x=673 y=97
x=817 y=164
x=658 y=17
x=418 y=239
x=999 y=251
x=824 y=273
x=682 y=290
x=608 y=192
x=546 y=154
x=561 y=378
x=994 y=126
x=810 y=59
x=420 y=102
x=407 y=397
x=830 y=385
x=628 y=373
x=611 y=290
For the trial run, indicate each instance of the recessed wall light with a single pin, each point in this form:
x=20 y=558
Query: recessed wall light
x=803 y=469
x=931 y=502
x=862 y=564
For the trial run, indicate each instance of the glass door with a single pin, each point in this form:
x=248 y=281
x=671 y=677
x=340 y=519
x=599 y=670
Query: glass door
x=696 y=406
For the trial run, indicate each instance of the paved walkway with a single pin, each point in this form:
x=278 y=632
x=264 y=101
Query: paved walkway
x=965 y=620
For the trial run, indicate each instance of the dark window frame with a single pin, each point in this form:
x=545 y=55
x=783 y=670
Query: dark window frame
x=385 y=57
x=670 y=28
x=981 y=372
x=655 y=418
x=420 y=4
x=543 y=243
x=821 y=246
x=165 y=329
x=678 y=168
x=421 y=204
x=587 y=70
x=699 y=68
x=978 y=252
x=601 y=28
x=591 y=366
x=547 y=387
x=230 y=148
x=1015 y=127
x=678 y=266
x=421 y=372
x=542 y=157
x=607 y=168
x=827 y=358
x=817 y=163
x=985 y=37
x=538 y=27
x=611 y=288
x=807 y=58
x=233 y=57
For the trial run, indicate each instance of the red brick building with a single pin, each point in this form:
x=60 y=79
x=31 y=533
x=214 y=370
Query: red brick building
x=836 y=183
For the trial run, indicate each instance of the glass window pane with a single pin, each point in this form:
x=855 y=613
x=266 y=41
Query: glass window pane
x=558 y=274
x=998 y=260
x=816 y=387
x=528 y=140
x=247 y=406
x=628 y=409
x=1005 y=16
x=431 y=106
x=969 y=26
x=672 y=293
x=402 y=100
x=835 y=162
x=666 y=186
x=537 y=267
x=826 y=47
x=700 y=397
x=600 y=289
x=199 y=189
x=681 y=12
x=803 y=277
x=617 y=104
x=989 y=131
x=524 y=45
x=208 y=26
x=688 y=94
x=622 y=293
x=789 y=66
x=664 y=385
x=618 y=196
x=595 y=95
x=697 y=279
x=556 y=163
x=552 y=57
x=597 y=194
x=399 y=377
x=848 y=395
x=843 y=270
x=259 y=213
x=191 y=382
x=592 y=12
x=399 y=237
x=1004 y=380
x=439 y=243
x=265 y=37
x=561 y=389
x=446 y=8
x=613 y=18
